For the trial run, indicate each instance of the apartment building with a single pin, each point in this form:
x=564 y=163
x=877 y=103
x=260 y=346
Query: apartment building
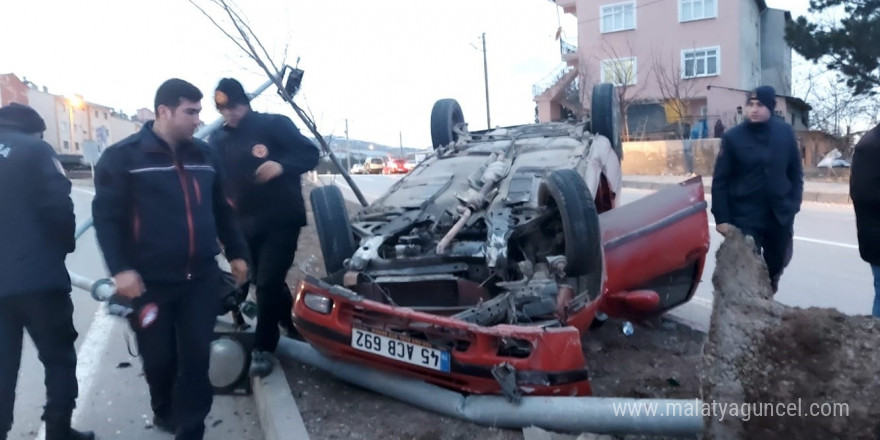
x=673 y=61
x=71 y=121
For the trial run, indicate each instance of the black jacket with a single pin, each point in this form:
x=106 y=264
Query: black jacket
x=36 y=215
x=160 y=213
x=758 y=176
x=262 y=137
x=864 y=189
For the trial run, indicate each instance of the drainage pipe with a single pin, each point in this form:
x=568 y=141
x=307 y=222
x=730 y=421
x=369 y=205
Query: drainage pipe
x=603 y=415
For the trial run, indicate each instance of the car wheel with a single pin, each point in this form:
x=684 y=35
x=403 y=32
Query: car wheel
x=333 y=226
x=445 y=116
x=606 y=117
x=566 y=191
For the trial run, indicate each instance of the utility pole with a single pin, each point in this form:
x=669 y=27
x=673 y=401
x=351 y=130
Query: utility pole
x=401 y=145
x=347 y=146
x=486 y=80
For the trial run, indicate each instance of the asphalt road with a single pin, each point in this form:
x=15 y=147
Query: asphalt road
x=825 y=271
x=113 y=401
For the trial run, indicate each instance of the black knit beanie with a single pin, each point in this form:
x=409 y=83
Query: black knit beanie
x=230 y=93
x=21 y=117
x=767 y=96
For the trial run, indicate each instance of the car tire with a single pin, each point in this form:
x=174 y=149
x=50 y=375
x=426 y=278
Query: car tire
x=445 y=116
x=606 y=118
x=333 y=227
x=568 y=192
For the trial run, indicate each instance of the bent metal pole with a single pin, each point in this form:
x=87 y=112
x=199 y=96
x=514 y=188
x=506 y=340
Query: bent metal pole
x=606 y=415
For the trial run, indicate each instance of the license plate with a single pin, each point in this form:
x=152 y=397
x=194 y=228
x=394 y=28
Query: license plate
x=395 y=347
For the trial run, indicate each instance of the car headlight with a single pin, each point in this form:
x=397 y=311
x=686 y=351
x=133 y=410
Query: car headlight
x=318 y=303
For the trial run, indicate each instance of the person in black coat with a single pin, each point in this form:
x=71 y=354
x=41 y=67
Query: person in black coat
x=264 y=156
x=159 y=210
x=758 y=182
x=864 y=190
x=37 y=231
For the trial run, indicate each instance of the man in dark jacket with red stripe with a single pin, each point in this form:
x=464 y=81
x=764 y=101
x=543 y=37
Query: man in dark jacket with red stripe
x=758 y=182
x=264 y=156
x=864 y=189
x=159 y=209
x=37 y=232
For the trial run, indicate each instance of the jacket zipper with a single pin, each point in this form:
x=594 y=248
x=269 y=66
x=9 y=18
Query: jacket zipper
x=189 y=219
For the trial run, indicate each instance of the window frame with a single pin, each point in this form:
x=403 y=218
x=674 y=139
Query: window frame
x=683 y=68
x=602 y=9
x=704 y=17
x=635 y=64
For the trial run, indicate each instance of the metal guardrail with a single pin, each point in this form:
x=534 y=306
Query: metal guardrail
x=567 y=48
x=550 y=80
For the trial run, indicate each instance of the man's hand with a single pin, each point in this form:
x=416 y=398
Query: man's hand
x=129 y=284
x=724 y=228
x=268 y=171
x=239 y=270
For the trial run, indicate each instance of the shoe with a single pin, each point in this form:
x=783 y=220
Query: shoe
x=59 y=429
x=262 y=363
x=164 y=424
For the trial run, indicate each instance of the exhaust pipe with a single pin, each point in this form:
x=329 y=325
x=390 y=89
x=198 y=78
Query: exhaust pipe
x=603 y=415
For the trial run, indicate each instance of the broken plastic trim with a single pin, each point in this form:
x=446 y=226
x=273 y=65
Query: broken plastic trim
x=606 y=415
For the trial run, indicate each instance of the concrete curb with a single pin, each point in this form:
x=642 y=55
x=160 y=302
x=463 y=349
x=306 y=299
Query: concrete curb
x=279 y=415
x=809 y=196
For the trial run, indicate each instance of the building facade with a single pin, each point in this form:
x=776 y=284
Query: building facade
x=675 y=62
x=71 y=122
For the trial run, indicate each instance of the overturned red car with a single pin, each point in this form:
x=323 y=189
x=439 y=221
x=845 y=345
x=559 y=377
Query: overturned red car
x=482 y=269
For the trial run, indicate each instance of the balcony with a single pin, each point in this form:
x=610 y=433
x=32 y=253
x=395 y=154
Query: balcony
x=569 y=52
x=568 y=6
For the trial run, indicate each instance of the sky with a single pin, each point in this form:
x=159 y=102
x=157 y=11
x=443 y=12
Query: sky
x=380 y=64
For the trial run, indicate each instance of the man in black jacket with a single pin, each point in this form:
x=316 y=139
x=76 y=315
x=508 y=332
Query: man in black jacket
x=758 y=181
x=264 y=156
x=37 y=231
x=159 y=209
x=864 y=189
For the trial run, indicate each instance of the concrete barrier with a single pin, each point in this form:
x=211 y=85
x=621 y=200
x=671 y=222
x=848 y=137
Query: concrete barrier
x=668 y=157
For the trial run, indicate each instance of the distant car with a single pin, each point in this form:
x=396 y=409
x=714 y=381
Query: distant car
x=410 y=164
x=357 y=168
x=395 y=166
x=374 y=165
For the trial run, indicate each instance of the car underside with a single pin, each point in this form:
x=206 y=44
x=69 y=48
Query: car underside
x=482 y=269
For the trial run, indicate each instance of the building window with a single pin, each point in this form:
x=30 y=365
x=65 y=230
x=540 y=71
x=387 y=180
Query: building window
x=620 y=71
x=689 y=10
x=66 y=145
x=96 y=114
x=618 y=17
x=701 y=62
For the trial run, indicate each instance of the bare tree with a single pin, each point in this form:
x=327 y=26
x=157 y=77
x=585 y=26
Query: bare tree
x=231 y=22
x=622 y=71
x=675 y=90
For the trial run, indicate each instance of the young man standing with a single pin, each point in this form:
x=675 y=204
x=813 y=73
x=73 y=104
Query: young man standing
x=264 y=156
x=159 y=209
x=37 y=231
x=864 y=190
x=758 y=182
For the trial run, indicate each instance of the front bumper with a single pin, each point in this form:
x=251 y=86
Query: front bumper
x=503 y=359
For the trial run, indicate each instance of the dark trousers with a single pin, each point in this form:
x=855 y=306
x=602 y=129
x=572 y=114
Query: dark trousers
x=272 y=254
x=175 y=351
x=775 y=243
x=48 y=319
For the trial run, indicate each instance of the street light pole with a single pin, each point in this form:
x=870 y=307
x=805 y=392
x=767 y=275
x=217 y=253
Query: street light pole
x=347 y=146
x=401 y=145
x=486 y=80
